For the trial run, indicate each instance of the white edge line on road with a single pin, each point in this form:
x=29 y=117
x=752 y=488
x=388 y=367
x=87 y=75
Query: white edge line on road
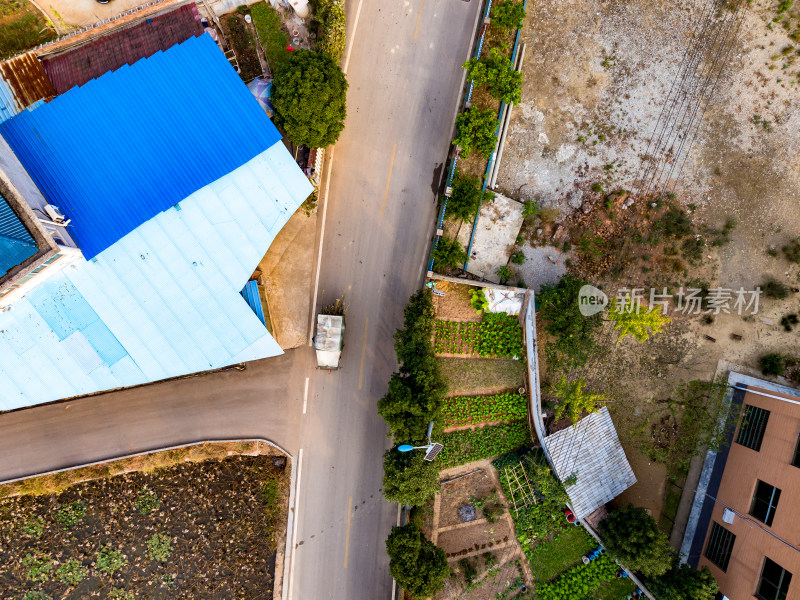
x=394 y=583
x=352 y=37
x=319 y=254
x=294 y=525
x=305 y=397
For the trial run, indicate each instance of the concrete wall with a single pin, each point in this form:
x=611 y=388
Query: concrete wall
x=754 y=540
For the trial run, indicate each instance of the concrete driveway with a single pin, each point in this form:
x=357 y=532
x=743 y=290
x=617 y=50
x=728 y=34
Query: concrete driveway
x=68 y=15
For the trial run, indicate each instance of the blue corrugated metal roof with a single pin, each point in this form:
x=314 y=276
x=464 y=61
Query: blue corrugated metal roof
x=250 y=293
x=161 y=302
x=16 y=243
x=123 y=148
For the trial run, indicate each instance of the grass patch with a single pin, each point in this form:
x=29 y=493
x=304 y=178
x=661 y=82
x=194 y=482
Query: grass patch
x=482 y=375
x=553 y=557
x=23 y=32
x=618 y=589
x=272 y=34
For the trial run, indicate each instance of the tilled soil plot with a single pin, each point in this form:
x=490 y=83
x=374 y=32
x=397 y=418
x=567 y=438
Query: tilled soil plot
x=222 y=520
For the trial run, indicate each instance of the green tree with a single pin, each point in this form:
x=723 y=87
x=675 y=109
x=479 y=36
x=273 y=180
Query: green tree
x=641 y=323
x=632 y=537
x=408 y=478
x=560 y=313
x=449 y=253
x=573 y=400
x=682 y=582
x=309 y=97
x=476 y=130
x=331 y=17
x=508 y=14
x=407 y=409
x=415 y=393
x=772 y=364
x=465 y=199
x=417 y=565
x=497 y=73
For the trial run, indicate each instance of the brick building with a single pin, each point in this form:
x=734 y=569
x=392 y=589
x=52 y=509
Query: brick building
x=746 y=509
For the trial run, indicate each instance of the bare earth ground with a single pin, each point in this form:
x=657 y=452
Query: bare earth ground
x=477 y=539
x=597 y=75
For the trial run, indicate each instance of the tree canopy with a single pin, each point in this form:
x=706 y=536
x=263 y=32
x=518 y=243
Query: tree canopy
x=465 y=199
x=560 y=312
x=574 y=400
x=449 y=253
x=497 y=73
x=682 y=582
x=640 y=324
x=476 y=131
x=309 y=97
x=632 y=537
x=408 y=478
x=417 y=565
x=508 y=14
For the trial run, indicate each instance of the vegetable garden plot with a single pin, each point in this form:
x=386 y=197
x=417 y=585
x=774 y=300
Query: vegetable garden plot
x=475 y=410
x=468 y=445
x=454 y=337
x=193 y=530
x=498 y=335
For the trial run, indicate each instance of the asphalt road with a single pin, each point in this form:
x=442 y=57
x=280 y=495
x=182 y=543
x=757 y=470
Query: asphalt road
x=405 y=75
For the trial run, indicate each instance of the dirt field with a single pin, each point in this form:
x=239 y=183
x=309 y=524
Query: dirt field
x=597 y=76
x=208 y=529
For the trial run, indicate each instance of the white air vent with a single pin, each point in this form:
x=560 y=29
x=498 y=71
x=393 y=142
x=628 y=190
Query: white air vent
x=55 y=215
x=727 y=516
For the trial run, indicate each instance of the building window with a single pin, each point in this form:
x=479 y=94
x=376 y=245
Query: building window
x=720 y=546
x=765 y=502
x=774 y=582
x=796 y=458
x=754 y=424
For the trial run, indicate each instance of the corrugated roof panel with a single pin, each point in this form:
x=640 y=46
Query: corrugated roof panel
x=8 y=103
x=27 y=79
x=185 y=268
x=114 y=153
x=79 y=348
x=250 y=293
x=104 y=342
x=11 y=226
x=127 y=372
x=110 y=52
x=62 y=307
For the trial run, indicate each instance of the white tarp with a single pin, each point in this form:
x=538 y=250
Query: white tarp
x=504 y=301
x=328 y=341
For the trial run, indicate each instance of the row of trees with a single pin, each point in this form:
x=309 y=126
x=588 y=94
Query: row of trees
x=476 y=129
x=414 y=398
x=632 y=537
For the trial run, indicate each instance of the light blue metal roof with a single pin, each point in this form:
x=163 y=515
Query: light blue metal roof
x=122 y=148
x=16 y=243
x=161 y=302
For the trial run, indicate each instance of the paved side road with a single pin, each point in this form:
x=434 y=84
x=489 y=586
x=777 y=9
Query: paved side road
x=264 y=400
x=405 y=75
